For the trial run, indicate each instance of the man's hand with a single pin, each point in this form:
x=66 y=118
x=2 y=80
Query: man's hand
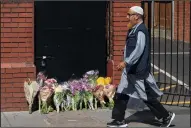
x=121 y=66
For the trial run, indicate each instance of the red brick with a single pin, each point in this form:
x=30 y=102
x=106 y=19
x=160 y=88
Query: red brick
x=13 y=100
x=2 y=100
x=116 y=82
x=18 y=95
x=25 y=109
x=5 y=95
x=25 y=15
x=118 y=53
x=10 y=14
x=31 y=75
x=6 y=105
x=6 y=76
x=18 y=30
x=16 y=80
x=121 y=14
x=13 y=89
x=12 y=109
x=25 y=25
x=23 y=99
x=124 y=19
x=21 y=45
x=117 y=10
x=5 y=30
x=5 y=10
x=9 y=25
x=5 y=50
x=18 y=20
x=29 y=9
x=22 y=35
x=5 y=20
x=25 y=54
x=6 y=85
x=120 y=4
x=27 y=69
x=20 y=105
x=117 y=58
x=20 y=75
x=120 y=43
x=122 y=24
x=12 y=70
x=18 y=84
x=25 y=5
x=18 y=50
x=29 y=29
x=120 y=29
x=10 y=35
x=18 y=9
x=29 y=50
x=118 y=48
x=29 y=59
x=120 y=33
x=119 y=38
x=11 y=5
x=2 y=70
x=10 y=45
x=30 y=20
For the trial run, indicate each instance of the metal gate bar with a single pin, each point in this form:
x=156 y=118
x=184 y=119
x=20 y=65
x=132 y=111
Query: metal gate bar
x=190 y=57
x=176 y=92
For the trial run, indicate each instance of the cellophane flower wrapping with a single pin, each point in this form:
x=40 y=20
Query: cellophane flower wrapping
x=91 y=77
x=58 y=96
x=46 y=93
x=81 y=89
x=31 y=89
x=41 y=77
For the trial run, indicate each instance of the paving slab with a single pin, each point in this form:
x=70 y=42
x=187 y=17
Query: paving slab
x=4 y=121
x=24 y=119
x=90 y=118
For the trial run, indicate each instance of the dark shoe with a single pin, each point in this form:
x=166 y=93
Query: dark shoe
x=167 y=121
x=116 y=123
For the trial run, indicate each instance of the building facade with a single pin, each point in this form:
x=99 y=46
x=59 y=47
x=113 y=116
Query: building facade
x=17 y=45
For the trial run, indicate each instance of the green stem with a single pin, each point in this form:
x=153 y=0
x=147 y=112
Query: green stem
x=95 y=103
x=80 y=104
x=85 y=102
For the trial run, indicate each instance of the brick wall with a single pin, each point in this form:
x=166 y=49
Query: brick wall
x=179 y=19
x=17 y=47
x=17 y=53
x=119 y=31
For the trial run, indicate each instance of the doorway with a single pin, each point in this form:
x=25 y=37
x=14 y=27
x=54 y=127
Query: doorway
x=73 y=37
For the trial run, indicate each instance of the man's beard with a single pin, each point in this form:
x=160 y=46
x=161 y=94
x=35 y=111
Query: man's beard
x=129 y=25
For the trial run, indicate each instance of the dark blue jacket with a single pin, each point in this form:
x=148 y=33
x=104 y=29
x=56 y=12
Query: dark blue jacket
x=142 y=67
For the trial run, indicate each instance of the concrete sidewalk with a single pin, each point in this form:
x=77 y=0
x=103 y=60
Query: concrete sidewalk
x=88 y=118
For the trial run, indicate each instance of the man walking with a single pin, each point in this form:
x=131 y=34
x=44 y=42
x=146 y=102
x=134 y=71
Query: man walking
x=136 y=80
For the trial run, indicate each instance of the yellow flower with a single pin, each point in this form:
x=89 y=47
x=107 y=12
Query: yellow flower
x=100 y=81
x=58 y=89
x=107 y=80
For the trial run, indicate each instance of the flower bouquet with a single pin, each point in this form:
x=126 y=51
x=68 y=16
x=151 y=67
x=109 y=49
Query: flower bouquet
x=41 y=77
x=31 y=89
x=58 y=97
x=45 y=96
x=104 y=88
x=76 y=93
x=109 y=91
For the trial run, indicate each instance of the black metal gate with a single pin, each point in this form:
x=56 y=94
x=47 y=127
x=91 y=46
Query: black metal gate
x=169 y=24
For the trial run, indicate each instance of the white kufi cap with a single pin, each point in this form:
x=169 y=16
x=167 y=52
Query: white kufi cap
x=137 y=9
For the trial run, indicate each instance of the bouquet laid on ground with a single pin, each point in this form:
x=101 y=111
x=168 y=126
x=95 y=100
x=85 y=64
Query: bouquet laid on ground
x=31 y=89
x=45 y=96
x=75 y=94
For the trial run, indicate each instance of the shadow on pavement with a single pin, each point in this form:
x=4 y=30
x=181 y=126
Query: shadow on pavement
x=145 y=117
